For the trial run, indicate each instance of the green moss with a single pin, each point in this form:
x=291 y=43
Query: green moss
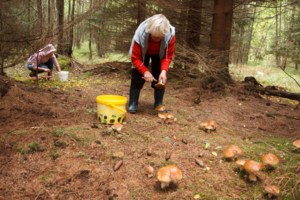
x=64 y=63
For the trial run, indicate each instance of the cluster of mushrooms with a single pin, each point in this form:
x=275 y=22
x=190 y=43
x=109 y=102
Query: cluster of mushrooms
x=208 y=126
x=253 y=167
x=166 y=174
x=166 y=117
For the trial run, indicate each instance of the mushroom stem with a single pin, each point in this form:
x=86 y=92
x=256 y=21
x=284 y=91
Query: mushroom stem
x=252 y=177
x=269 y=195
x=163 y=185
x=241 y=167
x=208 y=131
x=150 y=175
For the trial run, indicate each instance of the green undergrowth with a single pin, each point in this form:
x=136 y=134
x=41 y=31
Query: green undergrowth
x=267 y=73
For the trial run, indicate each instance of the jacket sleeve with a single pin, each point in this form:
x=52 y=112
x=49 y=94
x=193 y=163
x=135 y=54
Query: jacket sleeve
x=54 y=60
x=169 y=54
x=137 y=58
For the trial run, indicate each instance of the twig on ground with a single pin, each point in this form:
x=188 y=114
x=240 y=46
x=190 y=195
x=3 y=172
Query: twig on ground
x=31 y=170
x=272 y=146
x=39 y=194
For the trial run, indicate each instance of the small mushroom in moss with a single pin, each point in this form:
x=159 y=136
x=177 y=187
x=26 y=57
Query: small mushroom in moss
x=167 y=174
x=252 y=167
x=270 y=160
x=272 y=190
x=231 y=151
x=149 y=171
x=240 y=164
x=118 y=155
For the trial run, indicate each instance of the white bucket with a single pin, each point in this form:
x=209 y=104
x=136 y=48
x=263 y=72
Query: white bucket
x=63 y=75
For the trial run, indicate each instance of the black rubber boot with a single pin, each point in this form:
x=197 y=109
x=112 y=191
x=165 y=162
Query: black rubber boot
x=133 y=100
x=158 y=97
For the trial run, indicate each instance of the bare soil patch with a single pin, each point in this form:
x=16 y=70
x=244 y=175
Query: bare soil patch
x=48 y=149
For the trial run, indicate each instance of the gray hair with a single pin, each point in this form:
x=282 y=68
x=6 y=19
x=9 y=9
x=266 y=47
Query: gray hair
x=158 y=25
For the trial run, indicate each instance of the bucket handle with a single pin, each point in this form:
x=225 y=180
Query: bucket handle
x=113 y=105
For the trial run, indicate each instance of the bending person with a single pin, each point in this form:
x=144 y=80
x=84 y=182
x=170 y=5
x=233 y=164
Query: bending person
x=46 y=59
x=154 y=39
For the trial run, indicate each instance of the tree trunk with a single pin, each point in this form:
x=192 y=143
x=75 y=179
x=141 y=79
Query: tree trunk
x=1 y=58
x=49 y=18
x=194 y=24
x=71 y=33
x=40 y=16
x=221 y=35
x=251 y=34
x=276 y=32
x=141 y=11
x=90 y=40
x=60 y=10
x=290 y=34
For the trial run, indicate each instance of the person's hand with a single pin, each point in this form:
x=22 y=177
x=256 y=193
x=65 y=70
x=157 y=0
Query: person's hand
x=58 y=69
x=163 y=76
x=47 y=70
x=148 y=77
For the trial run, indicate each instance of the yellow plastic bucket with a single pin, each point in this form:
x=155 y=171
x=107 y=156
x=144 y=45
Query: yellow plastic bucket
x=111 y=109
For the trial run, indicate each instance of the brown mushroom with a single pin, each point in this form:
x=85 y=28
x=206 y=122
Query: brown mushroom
x=118 y=154
x=149 y=171
x=203 y=124
x=240 y=163
x=117 y=127
x=270 y=159
x=252 y=167
x=160 y=85
x=297 y=144
x=163 y=117
x=209 y=128
x=160 y=108
x=231 y=151
x=272 y=190
x=212 y=123
x=166 y=174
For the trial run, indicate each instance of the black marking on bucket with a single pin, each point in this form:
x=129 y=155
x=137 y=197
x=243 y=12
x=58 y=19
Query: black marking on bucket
x=99 y=118
x=119 y=119
x=105 y=117
x=114 y=116
x=112 y=121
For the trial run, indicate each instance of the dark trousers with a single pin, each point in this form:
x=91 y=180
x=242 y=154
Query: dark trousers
x=48 y=64
x=136 y=78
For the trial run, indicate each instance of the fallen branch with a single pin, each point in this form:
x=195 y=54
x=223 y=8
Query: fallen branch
x=289 y=95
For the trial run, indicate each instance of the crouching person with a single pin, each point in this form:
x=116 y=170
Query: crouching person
x=46 y=59
x=154 y=39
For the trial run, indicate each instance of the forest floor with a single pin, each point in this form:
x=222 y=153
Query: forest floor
x=50 y=150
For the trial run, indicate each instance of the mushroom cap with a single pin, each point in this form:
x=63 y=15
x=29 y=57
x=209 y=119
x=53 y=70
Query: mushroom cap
x=213 y=123
x=149 y=170
x=117 y=126
x=231 y=151
x=162 y=116
x=160 y=85
x=169 y=115
x=203 y=124
x=240 y=162
x=209 y=127
x=272 y=189
x=169 y=173
x=270 y=159
x=297 y=143
x=253 y=166
x=160 y=108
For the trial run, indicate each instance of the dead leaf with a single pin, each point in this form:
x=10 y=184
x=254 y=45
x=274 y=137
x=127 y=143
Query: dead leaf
x=118 y=165
x=168 y=155
x=199 y=162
